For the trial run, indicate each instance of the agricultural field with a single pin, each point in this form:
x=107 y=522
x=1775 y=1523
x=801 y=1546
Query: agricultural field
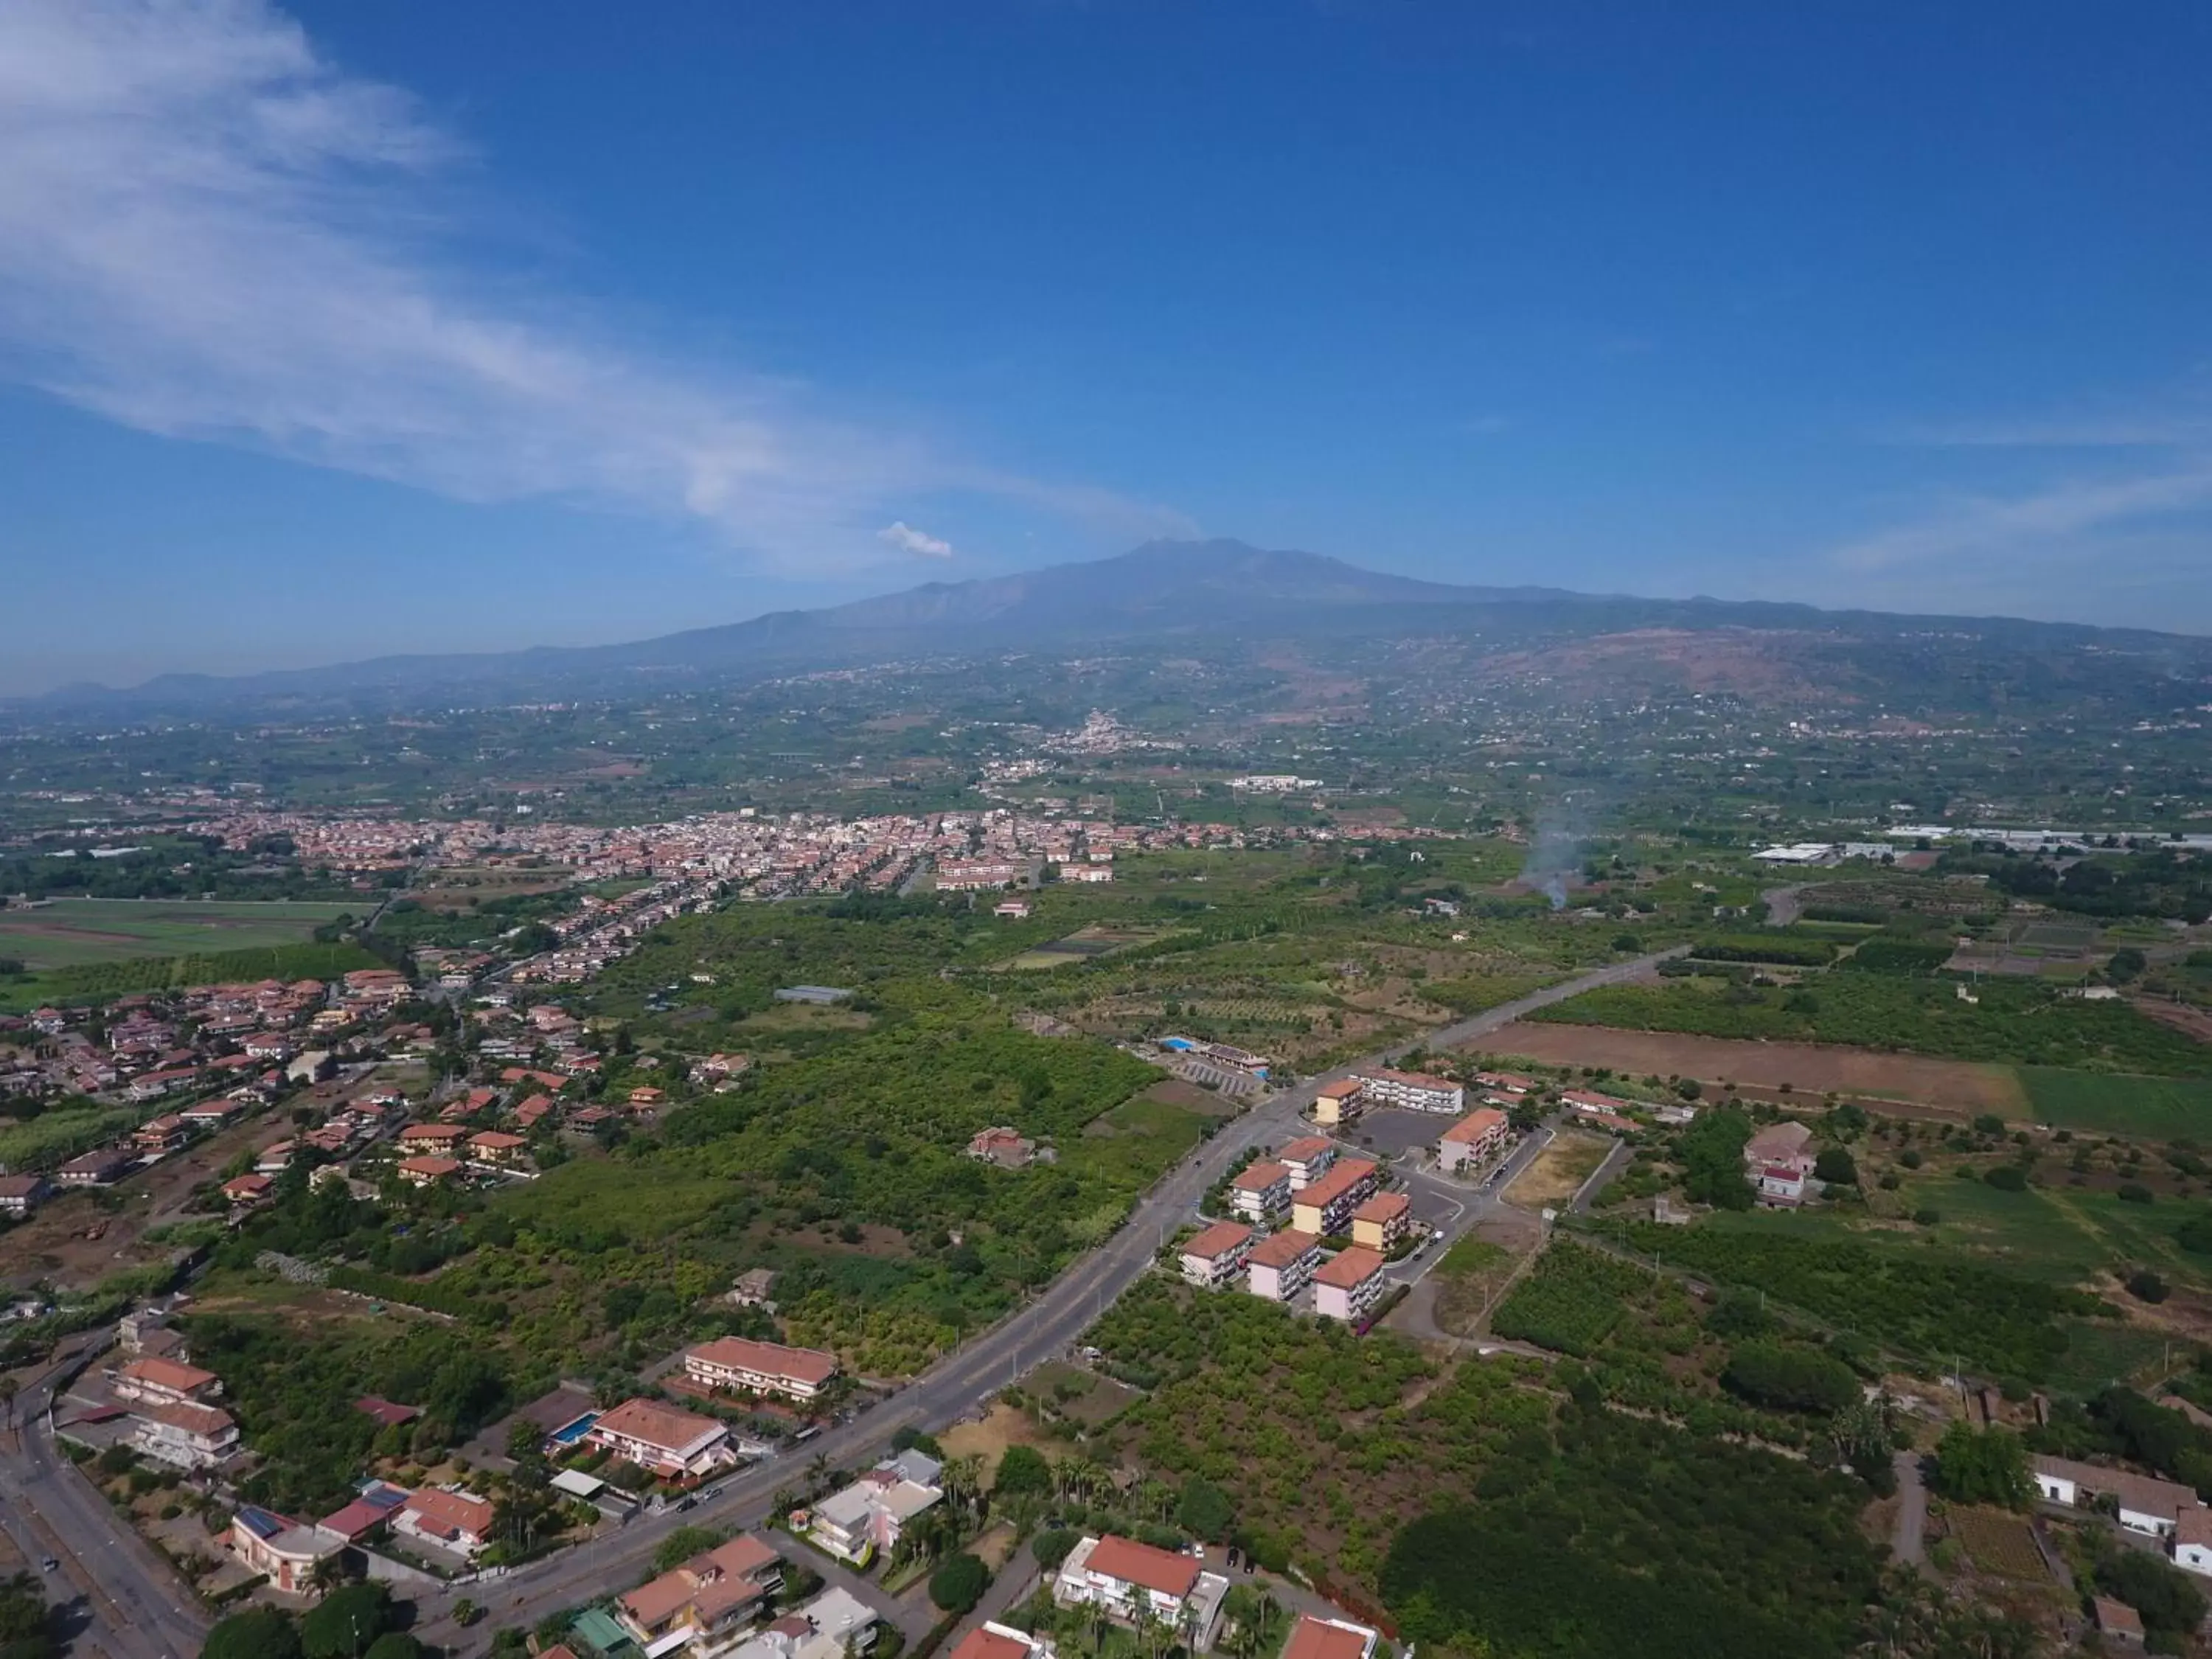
x=1813 y=1069
x=1998 y=1542
x=72 y=933
x=1085 y=944
x=1999 y=1022
x=2151 y=1107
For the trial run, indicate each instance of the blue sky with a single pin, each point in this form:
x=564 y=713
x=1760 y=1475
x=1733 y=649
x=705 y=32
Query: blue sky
x=333 y=330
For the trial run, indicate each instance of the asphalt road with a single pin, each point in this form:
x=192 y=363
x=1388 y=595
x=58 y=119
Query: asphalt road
x=126 y=1599
x=139 y=1611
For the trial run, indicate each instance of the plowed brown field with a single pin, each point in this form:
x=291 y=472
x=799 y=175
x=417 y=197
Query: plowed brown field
x=1807 y=1067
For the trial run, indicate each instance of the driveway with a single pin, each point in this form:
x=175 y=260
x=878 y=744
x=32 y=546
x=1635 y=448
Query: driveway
x=1908 y=1537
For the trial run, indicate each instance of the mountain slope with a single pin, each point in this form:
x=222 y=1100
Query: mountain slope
x=1212 y=589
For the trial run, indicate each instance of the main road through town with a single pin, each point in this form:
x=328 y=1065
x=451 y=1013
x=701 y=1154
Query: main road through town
x=122 y=1598
x=135 y=1608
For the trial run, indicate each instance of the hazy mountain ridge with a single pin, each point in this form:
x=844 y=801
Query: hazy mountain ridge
x=1163 y=589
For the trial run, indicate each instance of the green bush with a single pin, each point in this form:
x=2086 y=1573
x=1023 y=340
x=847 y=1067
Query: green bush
x=256 y=1633
x=959 y=1584
x=2006 y=1178
x=349 y=1617
x=1790 y=1378
x=1835 y=1168
x=1053 y=1545
x=1981 y=1466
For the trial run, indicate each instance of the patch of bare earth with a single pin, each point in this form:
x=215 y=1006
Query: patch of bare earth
x=1807 y=1067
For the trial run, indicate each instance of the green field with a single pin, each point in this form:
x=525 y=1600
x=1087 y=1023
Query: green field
x=2154 y=1108
x=73 y=933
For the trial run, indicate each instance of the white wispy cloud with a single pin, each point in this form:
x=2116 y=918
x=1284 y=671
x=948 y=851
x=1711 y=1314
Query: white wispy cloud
x=1973 y=525
x=2114 y=470
x=210 y=232
x=905 y=537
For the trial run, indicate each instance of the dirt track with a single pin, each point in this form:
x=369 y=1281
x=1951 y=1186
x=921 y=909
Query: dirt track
x=1807 y=1067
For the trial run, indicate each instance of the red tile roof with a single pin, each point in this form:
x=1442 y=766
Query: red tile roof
x=663 y=1427
x=169 y=1374
x=1281 y=1249
x=1340 y=1179
x=1258 y=1177
x=769 y=1358
x=1132 y=1562
x=1383 y=1206
x=1349 y=1268
x=450 y=1514
x=1218 y=1241
x=983 y=1643
x=1482 y=1121
x=1319 y=1638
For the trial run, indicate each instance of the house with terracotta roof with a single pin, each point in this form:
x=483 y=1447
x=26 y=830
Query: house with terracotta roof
x=1785 y=1144
x=673 y=1443
x=433 y=1137
x=1216 y=1257
x=1262 y=1191
x=1337 y=1102
x=248 y=1188
x=715 y=1592
x=1349 y=1285
x=1325 y=1207
x=368 y=1512
x=164 y=1382
x=1134 y=1582
x=1588 y=1103
x=1473 y=1140
x=1313 y=1637
x=995 y=1641
x=496 y=1146
x=1278 y=1266
x=427 y=1171
x=1779 y=1186
x=742 y=1365
x=1381 y=1221
x=455 y=1520
x=188 y=1437
x=1307 y=1158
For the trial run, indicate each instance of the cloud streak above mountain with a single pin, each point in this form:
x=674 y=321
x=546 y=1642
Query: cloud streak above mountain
x=207 y=232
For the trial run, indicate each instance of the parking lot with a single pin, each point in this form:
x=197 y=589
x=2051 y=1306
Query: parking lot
x=1390 y=1131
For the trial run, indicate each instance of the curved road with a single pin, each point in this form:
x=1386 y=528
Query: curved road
x=140 y=1611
